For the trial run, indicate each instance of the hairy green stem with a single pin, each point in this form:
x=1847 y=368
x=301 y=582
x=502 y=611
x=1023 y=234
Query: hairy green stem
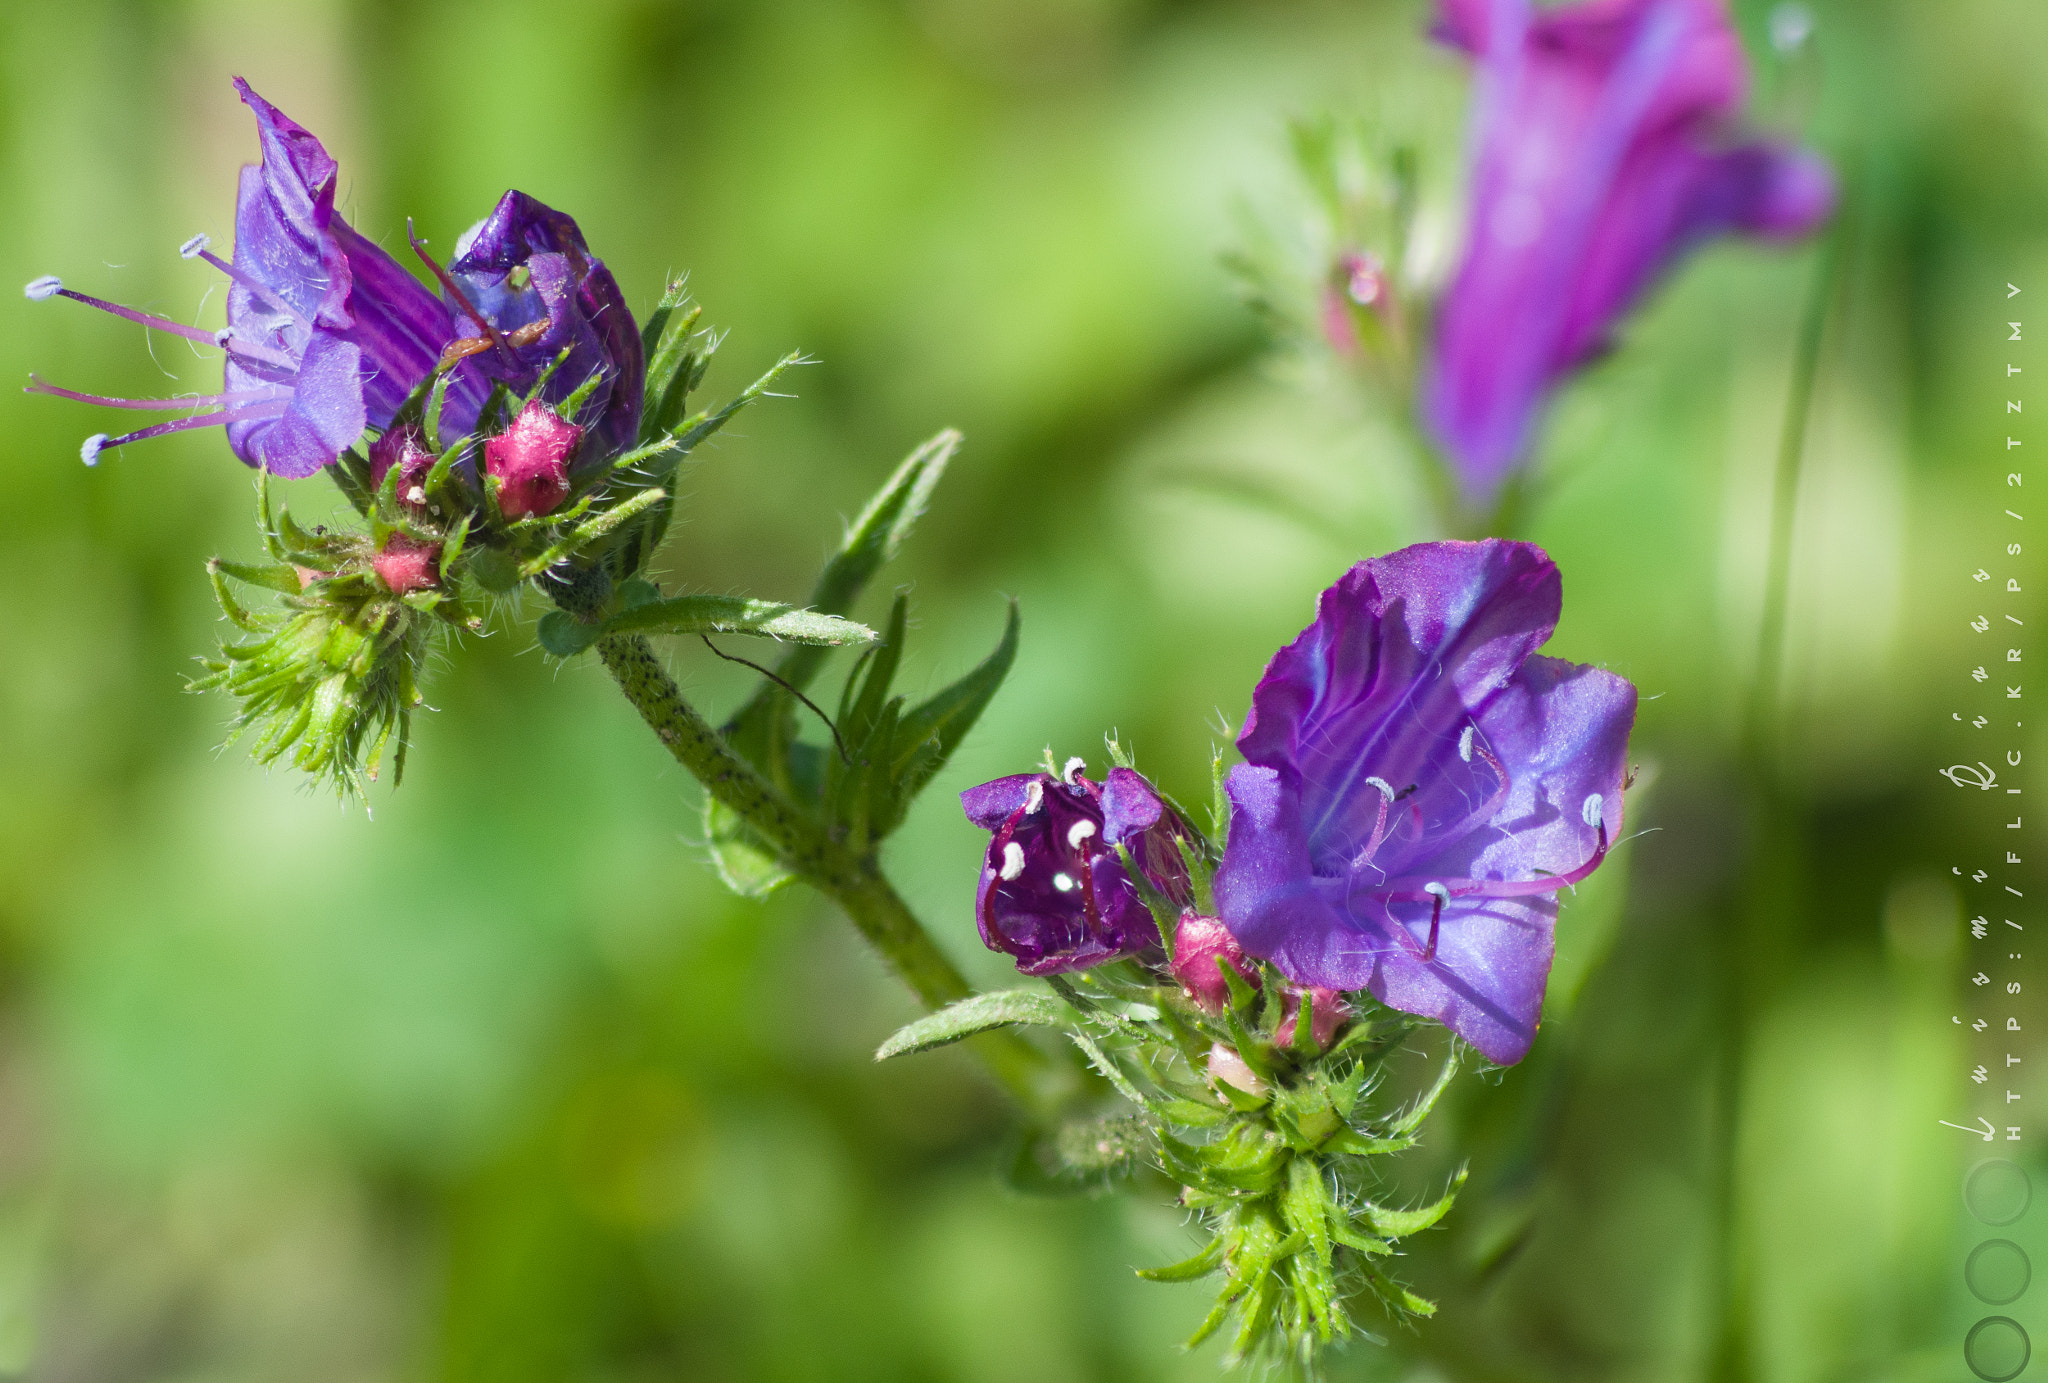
x=850 y=880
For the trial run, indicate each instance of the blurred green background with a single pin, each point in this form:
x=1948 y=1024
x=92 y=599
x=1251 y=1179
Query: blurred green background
x=498 y=1085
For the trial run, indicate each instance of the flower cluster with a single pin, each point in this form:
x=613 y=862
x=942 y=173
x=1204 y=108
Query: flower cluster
x=1419 y=786
x=495 y=432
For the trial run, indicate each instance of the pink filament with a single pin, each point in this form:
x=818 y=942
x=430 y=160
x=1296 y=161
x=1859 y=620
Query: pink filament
x=240 y=396
x=144 y=318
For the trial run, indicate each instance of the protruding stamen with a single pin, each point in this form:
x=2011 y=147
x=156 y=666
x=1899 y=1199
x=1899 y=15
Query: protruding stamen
x=1386 y=788
x=1013 y=860
x=1079 y=832
x=226 y=339
x=1072 y=771
x=1034 y=796
x=37 y=385
x=1442 y=895
x=50 y=286
x=419 y=247
x=253 y=413
x=191 y=248
x=262 y=290
x=1465 y=743
x=1589 y=812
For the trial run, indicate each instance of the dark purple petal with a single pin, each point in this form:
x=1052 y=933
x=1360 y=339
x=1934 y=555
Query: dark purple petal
x=1600 y=157
x=1130 y=807
x=1053 y=891
x=574 y=294
x=993 y=803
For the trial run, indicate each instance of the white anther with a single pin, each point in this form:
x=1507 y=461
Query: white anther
x=192 y=248
x=1072 y=772
x=1063 y=882
x=94 y=445
x=1465 y=744
x=48 y=286
x=1386 y=788
x=1590 y=811
x=1013 y=859
x=223 y=336
x=1079 y=832
x=1034 y=796
x=416 y=495
x=1437 y=891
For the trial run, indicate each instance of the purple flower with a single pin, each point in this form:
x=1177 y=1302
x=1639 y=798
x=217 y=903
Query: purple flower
x=326 y=333
x=1418 y=786
x=525 y=288
x=1601 y=154
x=1053 y=891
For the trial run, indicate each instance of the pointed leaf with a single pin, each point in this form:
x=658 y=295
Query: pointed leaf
x=1000 y=1008
x=1188 y=1269
x=1395 y=1224
x=730 y=614
x=948 y=716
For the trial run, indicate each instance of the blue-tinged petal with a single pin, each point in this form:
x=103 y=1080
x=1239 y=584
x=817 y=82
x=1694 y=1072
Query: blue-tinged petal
x=325 y=415
x=1370 y=701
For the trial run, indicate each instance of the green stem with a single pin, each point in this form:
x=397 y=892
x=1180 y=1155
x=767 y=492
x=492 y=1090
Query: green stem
x=1752 y=935
x=848 y=879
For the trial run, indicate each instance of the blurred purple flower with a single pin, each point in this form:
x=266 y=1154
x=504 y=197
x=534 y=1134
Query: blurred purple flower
x=1601 y=153
x=326 y=333
x=1053 y=891
x=1418 y=786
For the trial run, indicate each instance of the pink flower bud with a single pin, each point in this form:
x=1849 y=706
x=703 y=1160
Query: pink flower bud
x=407 y=566
x=1227 y=1066
x=530 y=461
x=1198 y=942
x=401 y=447
x=1327 y=1012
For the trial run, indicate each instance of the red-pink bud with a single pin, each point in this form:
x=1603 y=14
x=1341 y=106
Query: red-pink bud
x=1327 y=1012
x=530 y=461
x=407 y=566
x=1198 y=942
x=401 y=447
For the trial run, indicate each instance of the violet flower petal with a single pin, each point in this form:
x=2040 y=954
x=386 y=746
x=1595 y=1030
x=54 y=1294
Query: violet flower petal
x=1599 y=158
x=1408 y=763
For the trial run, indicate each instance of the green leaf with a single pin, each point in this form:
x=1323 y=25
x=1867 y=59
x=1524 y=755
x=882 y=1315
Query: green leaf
x=871 y=540
x=1395 y=1224
x=730 y=614
x=271 y=578
x=1188 y=1269
x=746 y=863
x=563 y=635
x=1000 y=1008
x=946 y=718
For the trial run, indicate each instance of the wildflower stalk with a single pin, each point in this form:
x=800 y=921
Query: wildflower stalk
x=852 y=881
x=1765 y=868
